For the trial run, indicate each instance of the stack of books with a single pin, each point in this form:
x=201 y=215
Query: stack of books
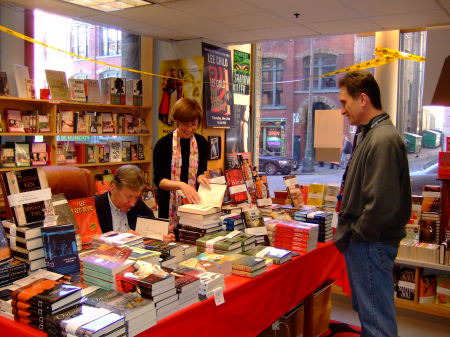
x=323 y=219
x=11 y=270
x=100 y=266
x=419 y=251
x=216 y=263
x=153 y=282
x=119 y=239
x=330 y=200
x=271 y=254
x=254 y=224
x=142 y=254
x=174 y=249
x=413 y=226
x=293 y=235
x=6 y=300
x=209 y=281
x=91 y=321
x=226 y=242
x=139 y=312
x=187 y=287
x=232 y=222
x=189 y=251
x=26 y=243
x=430 y=219
x=34 y=301
x=196 y=220
x=247 y=266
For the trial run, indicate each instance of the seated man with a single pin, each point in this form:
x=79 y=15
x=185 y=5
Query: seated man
x=118 y=209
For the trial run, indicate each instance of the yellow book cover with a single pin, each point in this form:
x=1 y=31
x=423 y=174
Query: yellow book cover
x=315 y=194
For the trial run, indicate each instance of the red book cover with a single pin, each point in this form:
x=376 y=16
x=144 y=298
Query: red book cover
x=236 y=185
x=84 y=212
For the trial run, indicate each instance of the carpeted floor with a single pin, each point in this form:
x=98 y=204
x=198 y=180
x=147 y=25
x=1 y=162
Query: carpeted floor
x=338 y=329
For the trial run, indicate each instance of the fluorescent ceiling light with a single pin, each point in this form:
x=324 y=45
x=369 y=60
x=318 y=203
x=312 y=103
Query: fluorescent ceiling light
x=110 y=5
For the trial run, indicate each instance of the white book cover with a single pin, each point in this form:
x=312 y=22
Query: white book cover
x=77 y=91
x=92 y=90
x=21 y=74
x=57 y=83
x=115 y=151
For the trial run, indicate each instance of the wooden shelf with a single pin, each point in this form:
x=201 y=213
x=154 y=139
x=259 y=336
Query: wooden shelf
x=103 y=134
x=421 y=264
x=108 y=163
x=427 y=308
x=48 y=134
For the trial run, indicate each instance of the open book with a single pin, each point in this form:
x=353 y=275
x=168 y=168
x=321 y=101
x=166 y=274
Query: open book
x=210 y=200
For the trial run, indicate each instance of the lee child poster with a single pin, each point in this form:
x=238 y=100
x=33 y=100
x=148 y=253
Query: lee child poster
x=241 y=72
x=218 y=93
x=186 y=82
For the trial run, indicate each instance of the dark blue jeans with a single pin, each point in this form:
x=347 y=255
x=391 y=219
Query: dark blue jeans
x=370 y=272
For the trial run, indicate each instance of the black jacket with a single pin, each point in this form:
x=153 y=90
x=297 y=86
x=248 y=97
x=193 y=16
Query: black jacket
x=104 y=212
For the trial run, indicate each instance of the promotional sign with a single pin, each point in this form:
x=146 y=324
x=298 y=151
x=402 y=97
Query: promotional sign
x=218 y=89
x=241 y=72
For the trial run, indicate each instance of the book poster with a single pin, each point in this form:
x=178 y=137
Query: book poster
x=241 y=72
x=238 y=135
x=218 y=89
x=186 y=82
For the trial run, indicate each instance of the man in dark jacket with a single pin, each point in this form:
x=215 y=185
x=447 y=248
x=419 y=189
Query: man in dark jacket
x=376 y=204
x=118 y=209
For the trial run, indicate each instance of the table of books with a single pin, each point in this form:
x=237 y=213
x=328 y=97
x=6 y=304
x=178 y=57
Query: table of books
x=250 y=304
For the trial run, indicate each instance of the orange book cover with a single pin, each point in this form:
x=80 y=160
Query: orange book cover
x=84 y=212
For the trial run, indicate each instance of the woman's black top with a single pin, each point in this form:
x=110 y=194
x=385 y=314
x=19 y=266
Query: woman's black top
x=162 y=162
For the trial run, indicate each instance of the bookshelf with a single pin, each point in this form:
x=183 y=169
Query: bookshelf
x=51 y=107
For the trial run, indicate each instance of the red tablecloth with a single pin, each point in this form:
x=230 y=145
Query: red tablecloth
x=250 y=304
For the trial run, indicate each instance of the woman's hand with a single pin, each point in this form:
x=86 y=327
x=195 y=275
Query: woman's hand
x=169 y=237
x=190 y=193
x=202 y=180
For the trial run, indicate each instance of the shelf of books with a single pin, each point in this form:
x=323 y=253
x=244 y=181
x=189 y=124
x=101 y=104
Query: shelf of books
x=74 y=133
x=415 y=263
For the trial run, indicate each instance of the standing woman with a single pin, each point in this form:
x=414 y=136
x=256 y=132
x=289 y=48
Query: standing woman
x=179 y=160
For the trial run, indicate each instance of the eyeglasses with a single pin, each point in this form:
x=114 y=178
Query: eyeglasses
x=188 y=125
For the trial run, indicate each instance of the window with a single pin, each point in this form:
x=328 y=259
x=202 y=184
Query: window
x=109 y=73
x=272 y=72
x=79 y=39
x=110 y=41
x=323 y=63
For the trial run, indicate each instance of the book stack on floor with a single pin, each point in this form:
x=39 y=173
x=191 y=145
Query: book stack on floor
x=26 y=243
x=187 y=287
x=323 y=219
x=293 y=235
x=209 y=281
x=171 y=252
x=247 y=266
x=330 y=200
x=36 y=300
x=100 y=266
x=139 y=312
x=430 y=218
x=232 y=222
x=91 y=321
x=195 y=221
x=271 y=254
x=153 y=282
x=119 y=239
x=216 y=263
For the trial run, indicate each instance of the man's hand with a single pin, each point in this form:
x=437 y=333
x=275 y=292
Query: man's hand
x=202 y=180
x=190 y=193
x=169 y=237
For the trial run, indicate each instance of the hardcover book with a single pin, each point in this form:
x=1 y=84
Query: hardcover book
x=108 y=259
x=60 y=247
x=294 y=190
x=236 y=185
x=126 y=150
x=26 y=232
x=43 y=123
x=4 y=87
x=86 y=217
x=29 y=120
x=107 y=122
x=140 y=152
x=92 y=90
x=24 y=181
x=115 y=151
x=7 y=156
x=113 y=90
x=57 y=83
x=77 y=92
x=21 y=74
x=39 y=154
x=406 y=283
x=22 y=153
x=67 y=121
x=29 y=86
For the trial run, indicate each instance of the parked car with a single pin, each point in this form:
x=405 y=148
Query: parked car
x=427 y=176
x=271 y=164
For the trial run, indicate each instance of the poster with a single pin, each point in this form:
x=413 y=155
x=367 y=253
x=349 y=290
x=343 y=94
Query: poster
x=238 y=136
x=218 y=89
x=186 y=82
x=241 y=72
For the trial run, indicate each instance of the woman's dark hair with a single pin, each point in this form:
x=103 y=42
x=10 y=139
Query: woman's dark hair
x=358 y=82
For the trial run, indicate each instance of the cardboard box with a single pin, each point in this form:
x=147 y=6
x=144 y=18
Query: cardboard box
x=288 y=325
x=318 y=311
x=328 y=155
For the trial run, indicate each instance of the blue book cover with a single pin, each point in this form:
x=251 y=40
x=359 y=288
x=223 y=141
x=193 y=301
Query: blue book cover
x=60 y=247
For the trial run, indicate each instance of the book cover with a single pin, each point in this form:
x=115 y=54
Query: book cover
x=254 y=222
x=109 y=259
x=427 y=287
x=134 y=151
x=14 y=121
x=43 y=123
x=294 y=190
x=126 y=150
x=77 y=91
x=39 y=154
x=107 y=122
x=22 y=154
x=134 y=92
x=236 y=185
x=7 y=157
x=406 y=287
x=140 y=152
x=67 y=121
x=57 y=83
x=29 y=121
x=60 y=247
x=115 y=151
x=103 y=153
x=92 y=90
x=86 y=217
x=102 y=326
x=5 y=251
x=21 y=74
x=90 y=153
x=316 y=194
x=4 y=87
x=29 y=86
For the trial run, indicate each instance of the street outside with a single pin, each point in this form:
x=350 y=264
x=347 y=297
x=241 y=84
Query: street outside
x=325 y=175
